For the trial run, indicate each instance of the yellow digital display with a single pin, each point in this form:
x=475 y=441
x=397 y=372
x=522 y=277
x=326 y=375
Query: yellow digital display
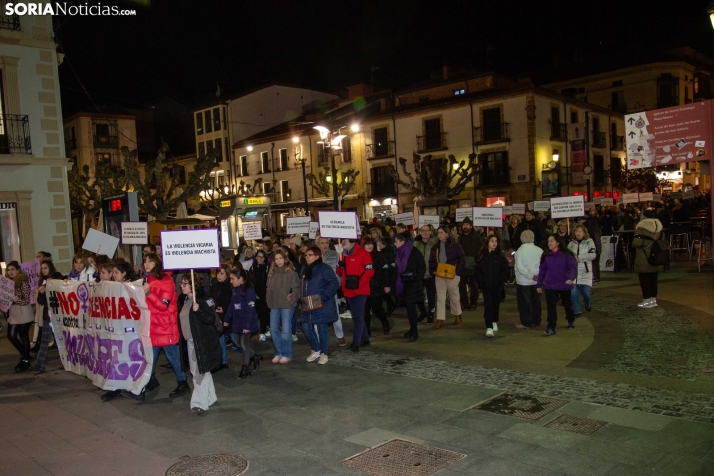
x=253 y=201
x=225 y=203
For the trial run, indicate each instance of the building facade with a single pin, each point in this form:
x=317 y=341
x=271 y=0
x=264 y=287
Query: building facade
x=95 y=139
x=34 y=200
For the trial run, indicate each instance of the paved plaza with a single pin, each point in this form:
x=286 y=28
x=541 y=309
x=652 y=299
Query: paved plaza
x=621 y=394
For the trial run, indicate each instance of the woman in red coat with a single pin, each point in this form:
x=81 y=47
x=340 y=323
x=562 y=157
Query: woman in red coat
x=161 y=300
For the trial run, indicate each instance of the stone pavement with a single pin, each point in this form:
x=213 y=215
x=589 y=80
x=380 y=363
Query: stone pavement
x=635 y=375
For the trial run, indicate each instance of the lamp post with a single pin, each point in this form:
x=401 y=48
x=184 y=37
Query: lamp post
x=328 y=142
x=301 y=160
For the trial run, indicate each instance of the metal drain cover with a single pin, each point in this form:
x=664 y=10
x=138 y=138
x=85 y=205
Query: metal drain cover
x=209 y=465
x=584 y=426
x=398 y=457
x=522 y=406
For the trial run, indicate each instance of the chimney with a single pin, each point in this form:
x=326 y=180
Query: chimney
x=445 y=71
x=358 y=90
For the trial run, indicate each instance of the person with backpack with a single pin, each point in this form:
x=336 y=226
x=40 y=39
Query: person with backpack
x=649 y=256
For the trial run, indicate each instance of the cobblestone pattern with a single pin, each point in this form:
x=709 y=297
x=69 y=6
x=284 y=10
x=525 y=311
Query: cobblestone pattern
x=689 y=406
x=658 y=342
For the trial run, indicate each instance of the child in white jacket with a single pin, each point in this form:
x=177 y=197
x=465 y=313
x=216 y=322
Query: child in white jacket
x=583 y=247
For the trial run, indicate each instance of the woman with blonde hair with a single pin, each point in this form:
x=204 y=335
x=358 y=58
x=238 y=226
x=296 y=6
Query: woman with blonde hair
x=562 y=230
x=282 y=294
x=82 y=268
x=375 y=233
x=583 y=248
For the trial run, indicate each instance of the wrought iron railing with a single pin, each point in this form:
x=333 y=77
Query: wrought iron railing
x=617 y=143
x=599 y=140
x=106 y=141
x=15 y=135
x=380 y=150
x=8 y=22
x=558 y=131
x=495 y=133
x=381 y=190
x=431 y=142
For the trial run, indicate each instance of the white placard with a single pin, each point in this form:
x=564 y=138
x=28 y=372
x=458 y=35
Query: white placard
x=630 y=197
x=314 y=228
x=541 y=206
x=338 y=224
x=530 y=205
x=406 y=218
x=519 y=208
x=656 y=197
x=567 y=207
x=607 y=253
x=252 y=231
x=247 y=264
x=596 y=200
x=432 y=220
x=646 y=197
x=607 y=201
x=589 y=205
x=688 y=195
x=508 y=210
x=488 y=217
x=134 y=233
x=190 y=249
x=462 y=213
x=295 y=225
x=100 y=243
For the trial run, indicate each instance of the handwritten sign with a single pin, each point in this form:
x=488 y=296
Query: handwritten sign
x=32 y=268
x=134 y=233
x=100 y=243
x=432 y=220
x=488 y=217
x=338 y=224
x=630 y=197
x=7 y=292
x=519 y=208
x=190 y=249
x=297 y=225
x=406 y=218
x=541 y=206
x=567 y=207
x=252 y=231
x=462 y=213
x=314 y=228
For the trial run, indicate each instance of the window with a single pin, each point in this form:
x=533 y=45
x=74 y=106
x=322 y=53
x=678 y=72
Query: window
x=266 y=188
x=105 y=134
x=283 y=156
x=199 y=123
x=323 y=156
x=380 y=142
x=243 y=166
x=284 y=191
x=264 y=162
x=201 y=149
x=104 y=158
x=207 y=116
x=574 y=117
x=209 y=146
x=491 y=124
x=495 y=169
x=383 y=185
x=346 y=150
x=667 y=91
x=432 y=131
x=221 y=178
x=216 y=119
x=218 y=147
x=618 y=101
x=598 y=170
x=596 y=124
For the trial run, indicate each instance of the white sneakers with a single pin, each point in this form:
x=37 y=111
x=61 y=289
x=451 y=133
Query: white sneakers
x=294 y=338
x=267 y=334
x=489 y=332
x=648 y=303
x=261 y=338
x=495 y=327
x=323 y=359
x=314 y=355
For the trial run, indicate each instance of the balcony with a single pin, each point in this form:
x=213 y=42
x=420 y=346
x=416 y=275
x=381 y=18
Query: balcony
x=15 y=135
x=380 y=151
x=617 y=143
x=558 y=131
x=386 y=189
x=491 y=134
x=430 y=143
x=599 y=140
x=106 y=141
x=8 y=22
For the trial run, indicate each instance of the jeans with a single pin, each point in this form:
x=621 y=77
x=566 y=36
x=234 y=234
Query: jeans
x=586 y=291
x=551 y=297
x=491 y=305
x=294 y=322
x=317 y=336
x=356 y=304
x=174 y=355
x=648 y=284
x=280 y=327
x=224 y=355
x=528 y=305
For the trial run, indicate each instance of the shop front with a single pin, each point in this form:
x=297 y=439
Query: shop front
x=234 y=212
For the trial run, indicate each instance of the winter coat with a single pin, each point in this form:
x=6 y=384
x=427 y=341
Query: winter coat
x=284 y=281
x=413 y=291
x=241 y=313
x=527 y=264
x=388 y=254
x=556 y=269
x=652 y=228
x=221 y=294
x=357 y=263
x=87 y=274
x=425 y=250
x=20 y=311
x=472 y=244
x=454 y=255
x=381 y=273
x=586 y=251
x=163 y=309
x=323 y=281
x=260 y=278
x=535 y=226
x=491 y=270
x=205 y=337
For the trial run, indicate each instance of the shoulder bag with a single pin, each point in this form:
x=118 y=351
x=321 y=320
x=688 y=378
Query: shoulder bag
x=312 y=302
x=444 y=270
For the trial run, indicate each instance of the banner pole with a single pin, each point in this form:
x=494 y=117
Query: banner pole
x=193 y=286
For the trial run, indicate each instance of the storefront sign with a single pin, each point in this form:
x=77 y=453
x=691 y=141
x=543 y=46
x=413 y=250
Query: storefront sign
x=134 y=233
x=254 y=201
x=338 y=224
x=488 y=217
x=252 y=231
x=646 y=197
x=630 y=197
x=100 y=243
x=295 y=225
x=432 y=220
x=462 y=213
x=541 y=206
x=406 y=218
x=519 y=208
x=567 y=207
x=225 y=203
x=190 y=249
x=314 y=228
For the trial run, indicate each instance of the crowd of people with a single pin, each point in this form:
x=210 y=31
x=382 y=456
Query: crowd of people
x=196 y=317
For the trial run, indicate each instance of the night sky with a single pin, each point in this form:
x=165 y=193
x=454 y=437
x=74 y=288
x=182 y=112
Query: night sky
x=181 y=49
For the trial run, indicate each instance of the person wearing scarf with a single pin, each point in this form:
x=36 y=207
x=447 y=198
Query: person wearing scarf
x=410 y=271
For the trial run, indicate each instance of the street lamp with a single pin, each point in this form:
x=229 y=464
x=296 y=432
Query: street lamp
x=710 y=11
x=301 y=160
x=329 y=143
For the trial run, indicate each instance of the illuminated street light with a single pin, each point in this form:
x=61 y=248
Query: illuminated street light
x=250 y=148
x=355 y=127
x=296 y=140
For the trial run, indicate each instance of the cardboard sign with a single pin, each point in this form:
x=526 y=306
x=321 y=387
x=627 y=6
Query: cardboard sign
x=596 y=200
x=519 y=208
x=314 y=228
x=630 y=197
x=32 y=268
x=252 y=231
x=297 y=225
x=607 y=201
x=508 y=210
x=541 y=206
x=100 y=243
x=191 y=249
x=462 y=213
x=567 y=207
x=134 y=233
x=406 y=218
x=432 y=220
x=7 y=292
x=646 y=197
x=488 y=217
x=338 y=224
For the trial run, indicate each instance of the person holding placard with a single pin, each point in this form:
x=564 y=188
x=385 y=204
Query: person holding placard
x=446 y=263
x=283 y=292
x=558 y=270
x=331 y=258
x=583 y=248
x=221 y=295
x=20 y=316
x=47 y=272
x=355 y=271
x=491 y=271
x=259 y=272
x=410 y=269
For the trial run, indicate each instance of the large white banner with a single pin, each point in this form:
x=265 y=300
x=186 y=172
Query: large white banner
x=190 y=249
x=102 y=332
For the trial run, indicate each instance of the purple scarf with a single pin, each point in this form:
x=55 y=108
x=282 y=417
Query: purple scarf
x=401 y=261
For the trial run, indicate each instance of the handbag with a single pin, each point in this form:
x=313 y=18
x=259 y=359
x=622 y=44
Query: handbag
x=312 y=302
x=444 y=270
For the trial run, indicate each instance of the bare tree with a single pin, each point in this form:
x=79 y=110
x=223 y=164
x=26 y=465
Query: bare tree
x=86 y=191
x=434 y=177
x=320 y=184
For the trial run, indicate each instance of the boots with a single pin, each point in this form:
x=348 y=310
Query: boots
x=439 y=325
x=255 y=360
x=415 y=335
x=409 y=333
x=385 y=327
x=36 y=348
x=244 y=372
x=181 y=389
x=457 y=320
x=22 y=366
x=153 y=384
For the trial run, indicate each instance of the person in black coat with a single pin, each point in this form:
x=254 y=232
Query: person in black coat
x=410 y=271
x=377 y=287
x=221 y=294
x=259 y=272
x=491 y=272
x=384 y=246
x=530 y=223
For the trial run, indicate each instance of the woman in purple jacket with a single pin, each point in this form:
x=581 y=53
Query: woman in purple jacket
x=242 y=319
x=558 y=270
